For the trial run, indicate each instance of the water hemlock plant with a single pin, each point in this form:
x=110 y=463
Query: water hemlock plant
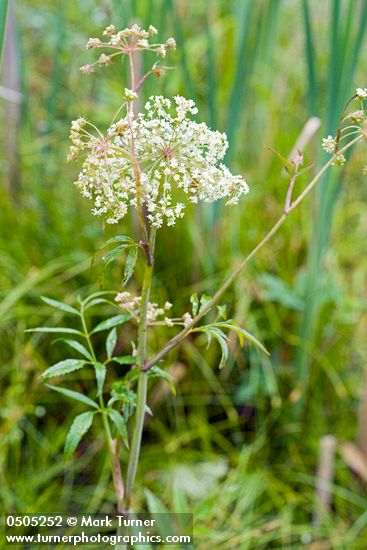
x=152 y=164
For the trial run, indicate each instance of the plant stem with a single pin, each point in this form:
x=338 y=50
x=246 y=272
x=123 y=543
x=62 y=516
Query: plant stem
x=136 y=168
x=113 y=445
x=227 y=283
x=148 y=244
x=143 y=375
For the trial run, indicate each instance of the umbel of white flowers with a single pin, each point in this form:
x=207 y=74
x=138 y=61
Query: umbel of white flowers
x=176 y=159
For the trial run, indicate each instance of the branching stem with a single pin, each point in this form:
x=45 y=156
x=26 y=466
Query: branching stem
x=113 y=444
x=171 y=344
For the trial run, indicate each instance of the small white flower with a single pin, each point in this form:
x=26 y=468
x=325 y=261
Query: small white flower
x=93 y=43
x=87 y=69
x=357 y=116
x=186 y=318
x=78 y=124
x=329 y=144
x=104 y=59
x=130 y=95
x=171 y=44
x=361 y=93
x=109 y=31
x=143 y=43
x=161 y=51
x=339 y=160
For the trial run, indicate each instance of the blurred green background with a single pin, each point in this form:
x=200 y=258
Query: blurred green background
x=239 y=447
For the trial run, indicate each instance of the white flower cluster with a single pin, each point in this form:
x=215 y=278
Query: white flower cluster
x=329 y=144
x=156 y=315
x=175 y=157
x=126 y=41
x=131 y=304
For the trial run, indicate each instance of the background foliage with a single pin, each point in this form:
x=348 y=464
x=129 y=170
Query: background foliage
x=239 y=447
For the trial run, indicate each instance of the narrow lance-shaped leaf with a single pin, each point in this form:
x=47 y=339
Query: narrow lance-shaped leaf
x=209 y=338
x=113 y=254
x=222 y=312
x=242 y=333
x=95 y=295
x=78 y=429
x=158 y=372
x=60 y=306
x=111 y=342
x=64 y=330
x=195 y=304
x=74 y=395
x=125 y=359
x=100 y=369
x=97 y=301
x=111 y=322
x=305 y=169
x=203 y=301
x=148 y=410
x=119 y=422
x=212 y=330
x=221 y=339
x=286 y=164
x=78 y=347
x=120 y=239
x=130 y=264
x=64 y=367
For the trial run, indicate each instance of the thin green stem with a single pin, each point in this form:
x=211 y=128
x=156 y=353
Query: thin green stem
x=184 y=332
x=113 y=445
x=148 y=245
x=143 y=376
x=100 y=397
x=136 y=169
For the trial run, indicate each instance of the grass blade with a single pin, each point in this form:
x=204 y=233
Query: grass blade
x=181 y=46
x=4 y=8
x=310 y=58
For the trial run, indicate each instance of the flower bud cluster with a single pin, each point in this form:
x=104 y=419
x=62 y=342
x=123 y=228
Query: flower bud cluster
x=126 y=41
x=79 y=137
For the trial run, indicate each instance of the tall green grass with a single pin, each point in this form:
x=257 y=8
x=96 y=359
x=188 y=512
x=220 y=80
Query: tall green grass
x=258 y=70
x=3 y=17
x=171 y=9
x=347 y=29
